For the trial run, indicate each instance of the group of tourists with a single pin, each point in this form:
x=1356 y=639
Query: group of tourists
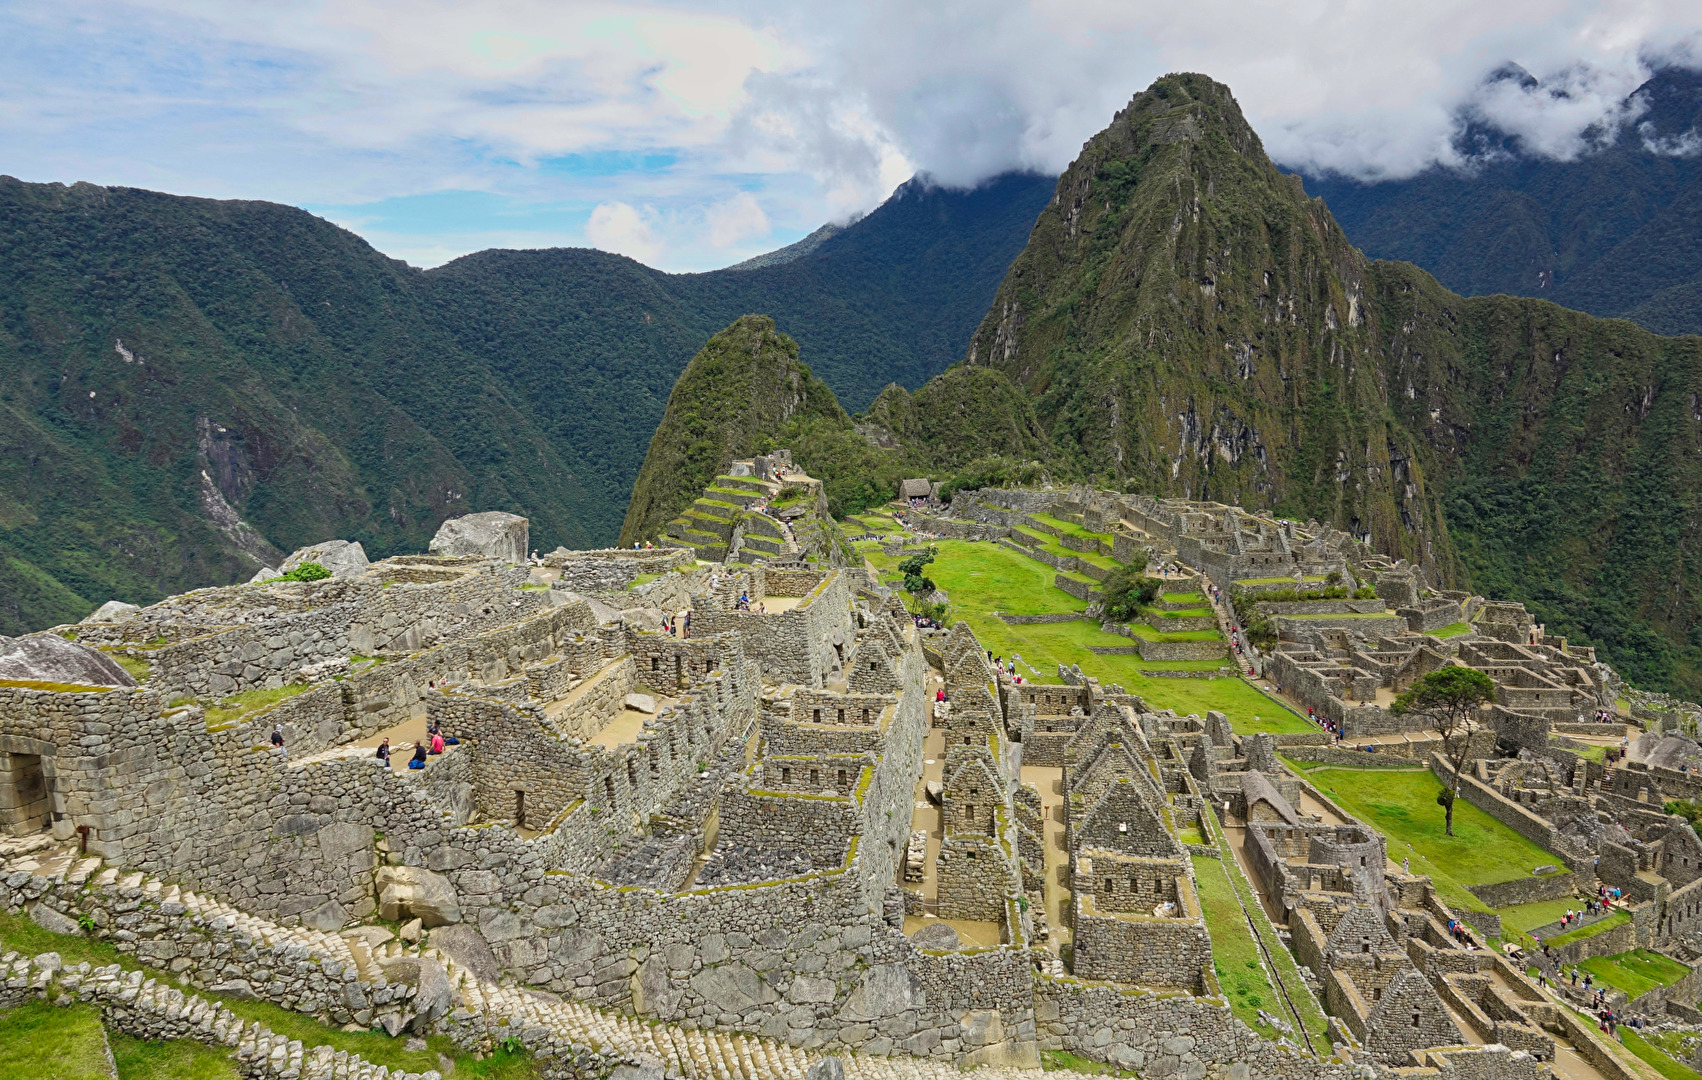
x=1457 y=930
x=1324 y=722
x=1004 y=668
x=435 y=742
x=924 y=623
x=678 y=625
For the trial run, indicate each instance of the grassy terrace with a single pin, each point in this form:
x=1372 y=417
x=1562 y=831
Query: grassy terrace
x=1070 y=528
x=1275 y=580
x=1452 y=630
x=1636 y=972
x=1401 y=805
x=1226 y=900
x=983 y=577
x=1618 y=918
x=19 y=933
x=1658 y=1048
x=1147 y=633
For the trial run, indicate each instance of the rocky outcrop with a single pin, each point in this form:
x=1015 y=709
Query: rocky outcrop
x=491 y=535
x=112 y=611
x=50 y=658
x=344 y=558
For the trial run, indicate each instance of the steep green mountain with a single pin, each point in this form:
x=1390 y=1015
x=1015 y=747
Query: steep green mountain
x=1190 y=323
x=747 y=392
x=1614 y=232
x=188 y=386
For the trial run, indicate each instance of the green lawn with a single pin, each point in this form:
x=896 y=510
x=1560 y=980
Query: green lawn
x=1402 y=806
x=39 y=1041
x=983 y=577
x=1618 y=918
x=179 y=1059
x=1372 y=761
x=1234 y=953
x=1070 y=528
x=1452 y=630
x=1147 y=633
x=1662 y=1062
x=19 y=933
x=1521 y=919
x=1636 y=972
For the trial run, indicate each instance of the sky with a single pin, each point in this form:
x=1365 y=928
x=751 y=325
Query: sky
x=691 y=135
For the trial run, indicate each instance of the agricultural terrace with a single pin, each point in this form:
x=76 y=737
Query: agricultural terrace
x=982 y=578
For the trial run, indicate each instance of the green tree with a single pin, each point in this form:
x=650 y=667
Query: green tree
x=1449 y=698
x=911 y=568
x=1127 y=589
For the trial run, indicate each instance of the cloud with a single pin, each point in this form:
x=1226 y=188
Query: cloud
x=622 y=229
x=693 y=129
x=737 y=220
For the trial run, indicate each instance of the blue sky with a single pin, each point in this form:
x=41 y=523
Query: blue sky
x=691 y=135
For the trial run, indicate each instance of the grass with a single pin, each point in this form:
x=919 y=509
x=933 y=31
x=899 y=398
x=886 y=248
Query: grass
x=39 y=1041
x=1371 y=762
x=984 y=577
x=1597 y=754
x=138 y=669
x=19 y=933
x=1521 y=919
x=1402 y=806
x=1618 y=918
x=1190 y=834
x=1636 y=972
x=1659 y=1059
x=1228 y=871
x=1147 y=633
x=1070 y=528
x=180 y=1059
x=1235 y=955
x=237 y=706
x=643 y=579
x=1452 y=630
x=1275 y=580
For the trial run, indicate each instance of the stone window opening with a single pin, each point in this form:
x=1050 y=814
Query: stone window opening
x=785 y=775
x=966 y=740
x=818 y=716
x=841 y=777
x=815 y=777
x=1110 y=886
x=1415 y=1020
x=841 y=716
x=1365 y=945
x=655 y=663
x=873 y=665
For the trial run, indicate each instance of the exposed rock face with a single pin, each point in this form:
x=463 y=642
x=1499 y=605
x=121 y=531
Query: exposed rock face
x=112 y=611
x=467 y=947
x=412 y=892
x=50 y=658
x=343 y=558
x=491 y=535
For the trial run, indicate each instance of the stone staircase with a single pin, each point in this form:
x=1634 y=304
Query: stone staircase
x=502 y=1011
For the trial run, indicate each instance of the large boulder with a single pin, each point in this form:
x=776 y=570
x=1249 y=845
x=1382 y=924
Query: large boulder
x=469 y=949
x=345 y=559
x=413 y=892
x=491 y=535
x=112 y=611
x=50 y=658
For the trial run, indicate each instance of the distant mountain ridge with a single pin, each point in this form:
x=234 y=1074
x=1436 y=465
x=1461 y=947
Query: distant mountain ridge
x=187 y=382
x=1616 y=232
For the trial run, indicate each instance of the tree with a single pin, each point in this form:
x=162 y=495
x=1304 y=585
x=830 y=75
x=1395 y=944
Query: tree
x=911 y=568
x=1449 y=698
x=1127 y=589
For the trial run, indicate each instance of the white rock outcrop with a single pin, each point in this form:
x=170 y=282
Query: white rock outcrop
x=490 y=535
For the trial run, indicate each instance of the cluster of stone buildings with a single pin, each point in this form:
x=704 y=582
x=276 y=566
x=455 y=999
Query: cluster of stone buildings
x=713 y=831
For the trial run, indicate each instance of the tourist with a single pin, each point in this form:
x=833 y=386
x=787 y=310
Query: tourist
x=384 y=752
x=418 y=761
x=278 y=736
x=437 y=742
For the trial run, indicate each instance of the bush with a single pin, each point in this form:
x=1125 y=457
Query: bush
x=1127 y=591
x=911 y=568
x=307 y=571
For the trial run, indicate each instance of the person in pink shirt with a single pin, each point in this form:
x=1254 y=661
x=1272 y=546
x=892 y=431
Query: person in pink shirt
x=437 y=743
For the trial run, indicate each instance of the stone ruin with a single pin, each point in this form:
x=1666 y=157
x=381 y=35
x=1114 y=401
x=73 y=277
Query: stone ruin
x=647 y=848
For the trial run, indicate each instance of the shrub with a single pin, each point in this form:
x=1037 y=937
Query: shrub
x=1127 y=591
x=911 y=568
x=307 y=571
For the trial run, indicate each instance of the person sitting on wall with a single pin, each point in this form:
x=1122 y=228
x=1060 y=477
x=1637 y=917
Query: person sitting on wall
x=418 y=761
x=384 y=753
x=278 y=736
x=437 y=742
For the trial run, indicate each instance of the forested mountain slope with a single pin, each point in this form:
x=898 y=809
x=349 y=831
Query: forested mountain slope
x=1617 y=231
x=149 y=341
x=1190 y=323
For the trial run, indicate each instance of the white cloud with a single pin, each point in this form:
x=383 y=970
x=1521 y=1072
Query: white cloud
x=620 y=228
x=735 y=221
x=801 y=111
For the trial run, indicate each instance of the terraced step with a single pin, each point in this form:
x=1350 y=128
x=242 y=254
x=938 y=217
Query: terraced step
x=748 y=483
